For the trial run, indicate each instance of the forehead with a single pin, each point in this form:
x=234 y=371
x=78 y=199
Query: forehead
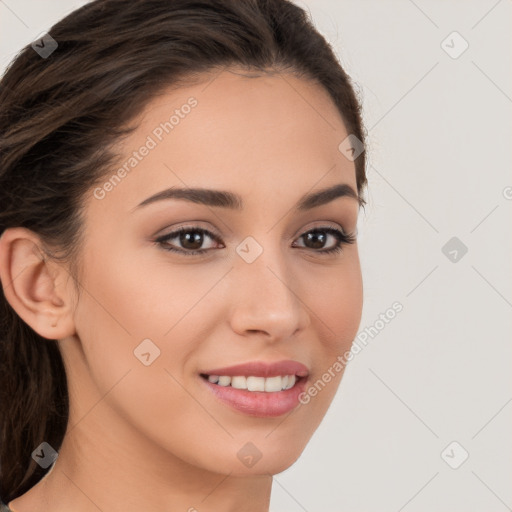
x=269 y=135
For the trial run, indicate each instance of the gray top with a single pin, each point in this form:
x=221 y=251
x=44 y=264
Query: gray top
x=5 y=508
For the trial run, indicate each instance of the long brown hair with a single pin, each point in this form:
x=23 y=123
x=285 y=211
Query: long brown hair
x=60 y=113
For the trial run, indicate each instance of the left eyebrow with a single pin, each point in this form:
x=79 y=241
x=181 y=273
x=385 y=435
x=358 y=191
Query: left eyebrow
x=226 y=199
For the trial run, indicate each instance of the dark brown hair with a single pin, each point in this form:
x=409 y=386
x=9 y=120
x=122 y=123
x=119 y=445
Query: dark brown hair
x=59 y=118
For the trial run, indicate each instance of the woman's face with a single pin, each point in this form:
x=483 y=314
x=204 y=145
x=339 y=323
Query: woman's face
x=151 y=323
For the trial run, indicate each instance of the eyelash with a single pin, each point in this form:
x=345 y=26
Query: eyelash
x=341 y=237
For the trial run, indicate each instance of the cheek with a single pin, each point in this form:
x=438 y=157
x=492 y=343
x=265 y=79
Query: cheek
x=134 y=297
x=336 y=314
x=134 y=312
x=336 y=303
x=345 y=309
x=120 y=309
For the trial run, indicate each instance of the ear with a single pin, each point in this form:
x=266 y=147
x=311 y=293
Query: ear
x=37 y=288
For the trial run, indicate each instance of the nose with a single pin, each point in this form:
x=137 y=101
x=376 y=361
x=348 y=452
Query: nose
x=266 y=298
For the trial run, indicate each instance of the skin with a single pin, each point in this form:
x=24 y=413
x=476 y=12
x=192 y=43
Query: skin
x=154 y=437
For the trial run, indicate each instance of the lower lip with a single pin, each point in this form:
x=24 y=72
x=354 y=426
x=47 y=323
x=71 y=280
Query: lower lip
x=259 y=403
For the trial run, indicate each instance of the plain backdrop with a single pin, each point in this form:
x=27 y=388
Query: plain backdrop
x=434 y=385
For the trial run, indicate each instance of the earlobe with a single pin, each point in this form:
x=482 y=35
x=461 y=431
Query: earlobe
x=33 y=285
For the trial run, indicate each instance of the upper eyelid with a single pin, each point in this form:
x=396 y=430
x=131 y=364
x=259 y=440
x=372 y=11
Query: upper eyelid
x=215 y=236
x=218 y=238
x=176 y=232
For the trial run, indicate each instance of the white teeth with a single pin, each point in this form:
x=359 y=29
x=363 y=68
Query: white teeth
x=252 y=383
x=274 y=383
x=239 y=382
x=224 y=380
x=256 y=383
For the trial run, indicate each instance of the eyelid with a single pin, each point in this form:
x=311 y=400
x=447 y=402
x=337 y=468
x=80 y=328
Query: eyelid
x=197 y=226
x=217 y=236
x=162 y=239
x=319 y=225
x=342 y=236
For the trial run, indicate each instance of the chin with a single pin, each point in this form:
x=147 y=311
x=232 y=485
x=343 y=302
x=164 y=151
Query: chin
x=261 y=458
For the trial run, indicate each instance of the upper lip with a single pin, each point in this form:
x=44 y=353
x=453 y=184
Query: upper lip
x=262 y=369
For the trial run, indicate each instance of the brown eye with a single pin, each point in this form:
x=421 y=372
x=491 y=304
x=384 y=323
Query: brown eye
x=317 y=238
x=189 y=240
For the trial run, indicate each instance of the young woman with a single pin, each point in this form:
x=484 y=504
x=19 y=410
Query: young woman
x=180 y=183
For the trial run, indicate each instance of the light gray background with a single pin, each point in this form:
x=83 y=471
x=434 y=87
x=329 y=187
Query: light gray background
x=439 y=167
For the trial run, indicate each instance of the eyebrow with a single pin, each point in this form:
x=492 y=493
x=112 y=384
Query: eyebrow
x=226 y=199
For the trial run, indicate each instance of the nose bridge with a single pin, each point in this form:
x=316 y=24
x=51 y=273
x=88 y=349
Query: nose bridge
x=266 y=296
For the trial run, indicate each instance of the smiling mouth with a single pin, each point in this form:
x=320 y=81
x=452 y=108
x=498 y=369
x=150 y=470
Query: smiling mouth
x=254 y=383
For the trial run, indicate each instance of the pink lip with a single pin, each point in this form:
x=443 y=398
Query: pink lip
x=262 y=369
x=260 y=403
